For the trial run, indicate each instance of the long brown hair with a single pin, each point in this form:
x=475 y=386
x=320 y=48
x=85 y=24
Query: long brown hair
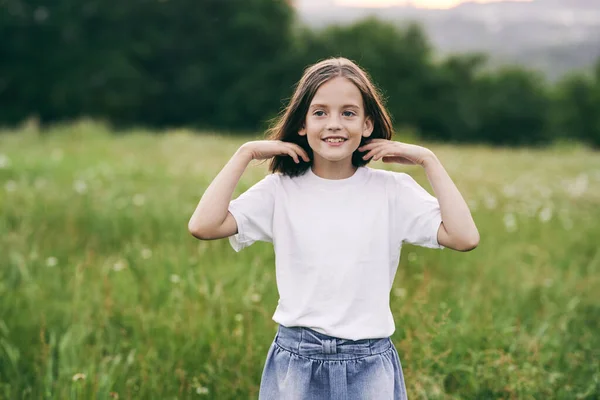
x=293 y=117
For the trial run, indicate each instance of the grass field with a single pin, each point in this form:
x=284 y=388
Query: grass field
x=104 y=293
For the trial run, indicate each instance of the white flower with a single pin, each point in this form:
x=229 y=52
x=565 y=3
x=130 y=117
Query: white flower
x=490 y=201
x=119 y=265
x=255 y=297
x=579 y=186
x=238 y=317
x=78 y=377
x=175 y=278
x=509 y=191
x=4 y=161
x=546 y=214
x=201 y=390
x=510 y=222
x=146 y=253
x=80 y=186
x=138 y=200
x=51 y=262
x=10 y=186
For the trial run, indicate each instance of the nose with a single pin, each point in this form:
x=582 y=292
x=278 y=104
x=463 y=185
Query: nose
x=333 y=124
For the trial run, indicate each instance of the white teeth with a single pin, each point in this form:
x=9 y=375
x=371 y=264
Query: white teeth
x=334 y=140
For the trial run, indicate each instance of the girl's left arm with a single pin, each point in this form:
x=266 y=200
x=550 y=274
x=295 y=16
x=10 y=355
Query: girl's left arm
x=457 y=230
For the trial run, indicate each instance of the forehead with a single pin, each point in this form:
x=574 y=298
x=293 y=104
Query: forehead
x=338 y=90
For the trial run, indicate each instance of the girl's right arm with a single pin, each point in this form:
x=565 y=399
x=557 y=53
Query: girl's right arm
x=211 y=219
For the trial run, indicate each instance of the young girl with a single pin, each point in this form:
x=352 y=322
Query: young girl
x=337 y=228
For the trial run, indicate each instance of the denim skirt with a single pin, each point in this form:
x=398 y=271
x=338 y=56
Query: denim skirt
x=305 y=364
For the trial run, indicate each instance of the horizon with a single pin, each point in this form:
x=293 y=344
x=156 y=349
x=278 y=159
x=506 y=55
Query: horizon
x=435 y=4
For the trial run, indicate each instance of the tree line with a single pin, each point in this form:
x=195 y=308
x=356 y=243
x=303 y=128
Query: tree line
x=231 y=65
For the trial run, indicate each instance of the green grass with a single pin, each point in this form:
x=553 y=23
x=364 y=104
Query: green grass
x=99 y=276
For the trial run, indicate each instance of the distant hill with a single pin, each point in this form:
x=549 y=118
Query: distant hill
x=556 y=36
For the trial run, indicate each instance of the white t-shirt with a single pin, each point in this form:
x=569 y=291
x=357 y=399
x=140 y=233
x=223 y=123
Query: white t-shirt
x=337 y=244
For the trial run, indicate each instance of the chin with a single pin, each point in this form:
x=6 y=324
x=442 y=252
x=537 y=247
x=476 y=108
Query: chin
x=335 y=158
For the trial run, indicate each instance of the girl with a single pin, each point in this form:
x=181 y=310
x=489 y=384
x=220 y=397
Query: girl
x=337 y=227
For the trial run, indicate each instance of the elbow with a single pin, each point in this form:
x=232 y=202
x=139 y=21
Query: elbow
x=198 y=232
x=470 y=243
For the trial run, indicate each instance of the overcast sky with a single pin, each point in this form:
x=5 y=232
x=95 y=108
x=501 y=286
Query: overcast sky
x=418 y=3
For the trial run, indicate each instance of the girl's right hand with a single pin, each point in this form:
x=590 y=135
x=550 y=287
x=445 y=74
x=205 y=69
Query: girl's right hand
x=265 y=149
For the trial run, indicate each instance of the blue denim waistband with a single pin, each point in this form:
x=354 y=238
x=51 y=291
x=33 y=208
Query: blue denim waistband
x=308 y=342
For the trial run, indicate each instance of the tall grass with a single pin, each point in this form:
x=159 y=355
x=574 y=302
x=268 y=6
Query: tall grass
x=104 y=294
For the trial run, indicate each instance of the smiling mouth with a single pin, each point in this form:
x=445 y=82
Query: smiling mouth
x=334 y=140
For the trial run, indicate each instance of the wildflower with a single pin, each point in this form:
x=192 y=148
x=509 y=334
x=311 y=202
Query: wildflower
x=201 y=390
x=255 y=297
x=4 y=161
x=490 y=201
x=510 y=222
x=579 y=186
x=80 y=186
x=78 y=377
x=509 y=191
x=238 y=317
x=546 y=214
x=138 y=200
x=51 y=262
x=175 y=278
x=146 y=253
x=10 y=186
x=119 y=265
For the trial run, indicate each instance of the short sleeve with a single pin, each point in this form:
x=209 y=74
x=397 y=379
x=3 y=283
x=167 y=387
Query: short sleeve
x=419 y=213
x=253 y=214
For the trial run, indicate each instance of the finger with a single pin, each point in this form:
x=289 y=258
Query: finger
x=299 y=150
x=302 y=153
x=293 y=154
x=381 y=153
x=369 y=146
x=365 y=147
x=373 y=151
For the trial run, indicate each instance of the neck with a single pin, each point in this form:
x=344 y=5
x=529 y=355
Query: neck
x=326 y=169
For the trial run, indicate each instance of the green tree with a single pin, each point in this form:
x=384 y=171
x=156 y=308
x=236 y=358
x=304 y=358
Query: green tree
x=577 y=105
x=453 y=109
x=514 y=107
x=176 y=62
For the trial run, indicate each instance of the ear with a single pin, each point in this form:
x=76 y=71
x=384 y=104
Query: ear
x=302 y=131
x=368 y=127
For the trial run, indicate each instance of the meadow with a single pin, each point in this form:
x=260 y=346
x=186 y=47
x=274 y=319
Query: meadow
x=105 y=295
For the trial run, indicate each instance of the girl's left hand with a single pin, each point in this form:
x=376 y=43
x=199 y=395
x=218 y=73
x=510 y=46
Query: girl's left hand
x=395 y=152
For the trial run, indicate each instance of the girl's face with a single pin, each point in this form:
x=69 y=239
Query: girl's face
x=336 y=122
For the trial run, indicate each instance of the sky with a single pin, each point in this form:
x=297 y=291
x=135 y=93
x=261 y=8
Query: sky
x=416 y=3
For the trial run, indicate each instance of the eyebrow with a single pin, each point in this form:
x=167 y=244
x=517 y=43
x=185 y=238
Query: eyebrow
x=344 y=106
